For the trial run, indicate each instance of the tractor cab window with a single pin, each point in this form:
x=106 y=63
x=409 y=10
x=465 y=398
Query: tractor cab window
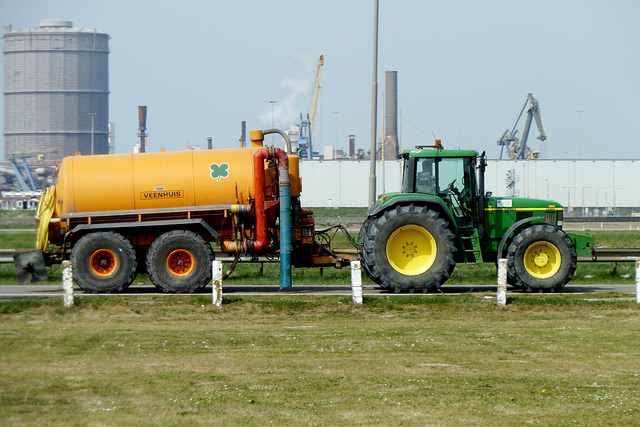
x=426 y=176
x=455 y=184
x=451 y=175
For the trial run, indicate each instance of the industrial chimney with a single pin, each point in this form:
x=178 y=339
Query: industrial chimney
x=391 y=116
x=352 y=146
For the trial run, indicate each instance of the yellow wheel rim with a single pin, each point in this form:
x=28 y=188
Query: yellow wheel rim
x=411 y=250
x=103 y=262
x=542 y=260
x=181 y=262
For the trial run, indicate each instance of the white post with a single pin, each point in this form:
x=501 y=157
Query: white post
x=216 y=269
x=638 y=280
x=67 y=283
x=502 y=282
x=356 y=282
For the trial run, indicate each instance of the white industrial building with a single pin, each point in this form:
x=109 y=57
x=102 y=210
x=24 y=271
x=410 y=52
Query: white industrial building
x=588 y=187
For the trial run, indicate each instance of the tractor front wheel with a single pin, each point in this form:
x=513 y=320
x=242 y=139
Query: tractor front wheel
x=541 y=258
x=408 y=248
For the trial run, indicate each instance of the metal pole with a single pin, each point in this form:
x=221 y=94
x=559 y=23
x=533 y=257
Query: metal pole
x=580 y=126
x=336 y=113
x=92 y=117
x=273 y=106
x=374 y=109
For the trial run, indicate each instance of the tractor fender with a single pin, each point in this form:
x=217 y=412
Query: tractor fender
x=516 y=226
x=433 y=203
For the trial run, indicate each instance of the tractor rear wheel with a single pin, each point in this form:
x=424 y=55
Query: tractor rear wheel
x=103 y=262
x=541 y=258
x=179 y=261
x=408 y=248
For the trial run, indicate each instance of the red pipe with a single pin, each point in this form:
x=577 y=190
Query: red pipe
x=259 y=157
x=261 y=217
x=283 y=159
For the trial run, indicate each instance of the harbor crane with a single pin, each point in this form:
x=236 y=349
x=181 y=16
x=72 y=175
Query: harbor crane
x=25 y=178
x=517 y=148
x=308 y=125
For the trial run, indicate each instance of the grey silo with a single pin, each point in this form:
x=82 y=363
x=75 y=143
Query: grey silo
x=56 y=81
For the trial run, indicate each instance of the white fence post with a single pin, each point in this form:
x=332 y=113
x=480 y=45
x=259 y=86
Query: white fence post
x=216 y=269
x=502 y=282
x=356 y=282
x=638 y=280
x=67 y=283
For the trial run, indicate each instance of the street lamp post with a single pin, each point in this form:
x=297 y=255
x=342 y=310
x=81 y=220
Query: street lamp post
x=273 y=109
x=93 y=115
x=336 y=113
x=580 y=130
x=374 y=109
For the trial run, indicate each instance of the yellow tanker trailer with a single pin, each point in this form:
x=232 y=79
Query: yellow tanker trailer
x=116 y=215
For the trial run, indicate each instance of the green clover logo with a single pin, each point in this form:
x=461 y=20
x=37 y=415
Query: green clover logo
x=219 y=171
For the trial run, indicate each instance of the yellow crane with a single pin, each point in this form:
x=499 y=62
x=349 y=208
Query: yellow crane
x=308 y=125
x=316 y=97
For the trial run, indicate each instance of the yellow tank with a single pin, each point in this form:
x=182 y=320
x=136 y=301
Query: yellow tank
x=162 y=180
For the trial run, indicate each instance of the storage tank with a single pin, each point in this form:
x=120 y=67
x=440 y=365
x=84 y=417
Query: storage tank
x=56 y=89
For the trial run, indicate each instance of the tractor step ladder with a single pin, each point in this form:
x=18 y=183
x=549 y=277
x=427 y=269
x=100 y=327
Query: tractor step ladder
x=471 y=246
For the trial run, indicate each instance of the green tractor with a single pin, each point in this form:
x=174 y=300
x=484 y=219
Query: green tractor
x=413 y=240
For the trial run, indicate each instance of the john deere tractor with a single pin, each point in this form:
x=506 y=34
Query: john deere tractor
x=412 y=240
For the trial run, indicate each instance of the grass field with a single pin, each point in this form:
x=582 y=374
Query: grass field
x=283 y=360
x=304 y=360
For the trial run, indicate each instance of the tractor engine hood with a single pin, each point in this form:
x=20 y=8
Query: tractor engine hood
x=521 y=204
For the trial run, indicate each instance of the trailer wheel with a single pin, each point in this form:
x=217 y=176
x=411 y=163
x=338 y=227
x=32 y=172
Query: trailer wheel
x=408 y=248
x=541 y=258
x=180 y=261
x=103 y=262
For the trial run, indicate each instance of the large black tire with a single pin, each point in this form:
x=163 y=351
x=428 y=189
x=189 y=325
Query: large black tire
x=179 y=261
x=408 y=248
x=103 y=262
x=541 y=258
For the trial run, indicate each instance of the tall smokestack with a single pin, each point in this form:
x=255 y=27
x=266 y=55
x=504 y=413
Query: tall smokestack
x=391 y=115
x=142 y=130
x=352 y=146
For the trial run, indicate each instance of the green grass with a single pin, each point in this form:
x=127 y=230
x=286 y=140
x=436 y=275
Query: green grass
x=615 y=239
x=17 y=219
x=285 y=360
x=339 y=212
x=17 y=214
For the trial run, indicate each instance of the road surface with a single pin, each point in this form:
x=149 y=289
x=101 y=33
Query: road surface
x=50 y=291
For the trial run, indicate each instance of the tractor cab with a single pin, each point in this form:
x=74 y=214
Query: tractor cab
x=449 y=175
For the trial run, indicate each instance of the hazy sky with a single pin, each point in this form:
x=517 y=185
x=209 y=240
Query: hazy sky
x=464 y=68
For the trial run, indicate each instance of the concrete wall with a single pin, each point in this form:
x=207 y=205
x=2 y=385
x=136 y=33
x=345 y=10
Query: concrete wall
x=597 y=184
